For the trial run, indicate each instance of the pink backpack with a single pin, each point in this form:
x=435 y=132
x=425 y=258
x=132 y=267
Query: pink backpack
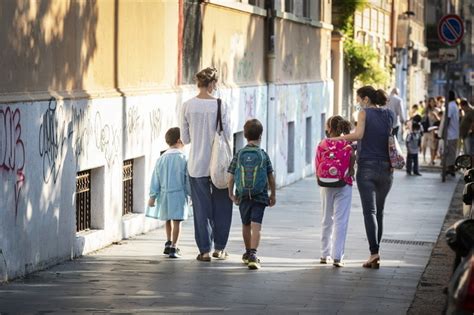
x=332 y=163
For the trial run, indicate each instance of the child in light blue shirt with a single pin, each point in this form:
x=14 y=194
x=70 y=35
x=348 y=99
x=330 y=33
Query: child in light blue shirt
x=170 y=188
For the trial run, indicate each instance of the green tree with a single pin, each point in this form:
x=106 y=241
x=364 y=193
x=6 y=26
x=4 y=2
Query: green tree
x=362 y=61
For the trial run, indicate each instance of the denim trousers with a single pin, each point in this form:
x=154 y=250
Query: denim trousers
x=412 y=163
x=336 y=203
x=212 y=209
x=374 y=180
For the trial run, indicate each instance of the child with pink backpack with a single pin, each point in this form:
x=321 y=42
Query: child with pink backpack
x=334 y=170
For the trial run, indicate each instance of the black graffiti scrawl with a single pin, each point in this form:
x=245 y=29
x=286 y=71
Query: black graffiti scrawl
x=53 y=138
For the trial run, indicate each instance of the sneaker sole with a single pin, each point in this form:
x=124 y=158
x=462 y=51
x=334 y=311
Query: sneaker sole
x=253 y=266
x=245 y=261
x=174 y=256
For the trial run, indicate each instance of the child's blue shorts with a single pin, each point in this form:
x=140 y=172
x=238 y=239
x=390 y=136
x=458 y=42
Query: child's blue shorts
x=251 y=211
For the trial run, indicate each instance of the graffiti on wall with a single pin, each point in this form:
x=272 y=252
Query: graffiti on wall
x=155 y=123
x=245 y=67
x=249 y=104
x=106 y=139
x=54 y=133
x=133 y=122
x=12 y=150
x=288 y=64
x=81 y=130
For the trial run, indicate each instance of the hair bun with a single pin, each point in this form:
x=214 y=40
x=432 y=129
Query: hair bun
x=381 y=97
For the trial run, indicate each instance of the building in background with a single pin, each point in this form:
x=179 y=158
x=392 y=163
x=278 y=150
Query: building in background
x=88 y=89
x=411 y=60
x=452 y=66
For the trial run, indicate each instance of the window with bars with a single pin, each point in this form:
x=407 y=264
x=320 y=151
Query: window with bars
x=127 y=187
x=83 y=201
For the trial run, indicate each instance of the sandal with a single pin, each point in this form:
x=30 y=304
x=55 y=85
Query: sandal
x=373 y=263
x=201 y=257
x=220 y=254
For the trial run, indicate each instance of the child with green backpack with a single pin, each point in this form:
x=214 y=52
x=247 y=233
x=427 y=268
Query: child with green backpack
x=251 y=171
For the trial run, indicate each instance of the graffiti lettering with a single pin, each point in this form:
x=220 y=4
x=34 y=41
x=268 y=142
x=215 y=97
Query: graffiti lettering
x=249 y=105
x=132 y=120
x=80 y=123
x=12 y=149
x=288 y=64
x=106 y=139
x=245 y=67
x=155 y=123
x=52 y=140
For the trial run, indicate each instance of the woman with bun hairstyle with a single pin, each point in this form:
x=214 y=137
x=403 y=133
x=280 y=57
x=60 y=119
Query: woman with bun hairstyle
x=374 y=173
x=212 y=206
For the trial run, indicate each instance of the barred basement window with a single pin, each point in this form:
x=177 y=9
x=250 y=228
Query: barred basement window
x=83 y=201
x=127 y=187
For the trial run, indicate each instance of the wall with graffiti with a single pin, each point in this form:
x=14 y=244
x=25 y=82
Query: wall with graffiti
x=296 y=106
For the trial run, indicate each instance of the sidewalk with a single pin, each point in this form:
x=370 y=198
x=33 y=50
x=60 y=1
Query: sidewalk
x=134 y=277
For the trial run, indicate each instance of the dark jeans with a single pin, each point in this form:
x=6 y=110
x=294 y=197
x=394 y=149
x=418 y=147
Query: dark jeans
x=374 y=180
x=212 y=209
x=412 y=163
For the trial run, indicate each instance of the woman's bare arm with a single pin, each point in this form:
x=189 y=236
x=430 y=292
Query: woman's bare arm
x=359 y=131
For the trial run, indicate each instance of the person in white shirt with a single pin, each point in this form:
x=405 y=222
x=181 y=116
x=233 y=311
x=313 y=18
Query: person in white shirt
x=395 y=104
x=212 y=206
x=452 y=132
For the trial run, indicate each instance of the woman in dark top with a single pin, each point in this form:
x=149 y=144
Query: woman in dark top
x=374 y=172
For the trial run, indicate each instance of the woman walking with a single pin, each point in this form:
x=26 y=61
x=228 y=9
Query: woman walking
x=429 y=140
x=212 y=206
x=374 y=173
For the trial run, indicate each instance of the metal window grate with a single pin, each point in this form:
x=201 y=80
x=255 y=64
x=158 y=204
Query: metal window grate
x=83 y=201
x=127 y=187
x=405 y=242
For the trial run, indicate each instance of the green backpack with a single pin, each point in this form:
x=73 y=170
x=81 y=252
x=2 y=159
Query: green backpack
x=251 y=172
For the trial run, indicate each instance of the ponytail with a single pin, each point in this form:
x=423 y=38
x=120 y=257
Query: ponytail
x=377 y=97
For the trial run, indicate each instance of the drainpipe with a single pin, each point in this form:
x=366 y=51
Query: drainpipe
x=270 y=66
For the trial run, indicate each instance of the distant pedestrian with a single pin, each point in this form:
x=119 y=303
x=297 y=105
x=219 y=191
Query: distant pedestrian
x=395 y=104
x=428 y=122
x=212 y=206
x=334 y=165
x=170 y=189
x=413 y=143
x=452 y=133
x=252 y=173
x=374 y=171
x=466 y=129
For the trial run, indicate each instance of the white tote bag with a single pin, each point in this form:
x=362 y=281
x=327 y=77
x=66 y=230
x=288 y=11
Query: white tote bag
x=221 y=154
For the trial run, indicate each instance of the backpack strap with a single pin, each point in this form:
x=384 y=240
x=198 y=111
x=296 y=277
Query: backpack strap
x=219 y=117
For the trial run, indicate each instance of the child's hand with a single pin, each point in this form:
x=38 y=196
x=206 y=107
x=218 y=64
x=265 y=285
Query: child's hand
x=151 y=202
x=272 y=200
x=351 y=172
x=234 y=199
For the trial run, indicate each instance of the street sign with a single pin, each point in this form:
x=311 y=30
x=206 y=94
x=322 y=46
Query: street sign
x=448 y=54
x=441 y=81
x=451 y=29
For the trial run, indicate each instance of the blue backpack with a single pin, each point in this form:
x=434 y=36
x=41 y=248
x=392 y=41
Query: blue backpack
x=251 y=172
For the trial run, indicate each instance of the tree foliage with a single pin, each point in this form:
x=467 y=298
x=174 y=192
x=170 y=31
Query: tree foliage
x=362 y=61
